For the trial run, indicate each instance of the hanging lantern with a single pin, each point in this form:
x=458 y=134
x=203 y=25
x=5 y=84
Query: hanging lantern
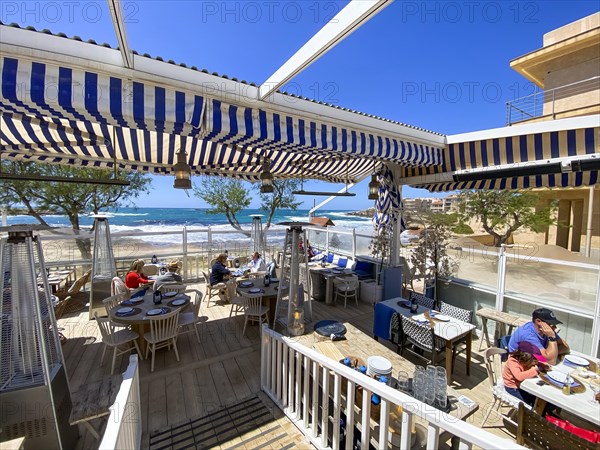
x=266 y=178
x=373 y=188
x=182 y=171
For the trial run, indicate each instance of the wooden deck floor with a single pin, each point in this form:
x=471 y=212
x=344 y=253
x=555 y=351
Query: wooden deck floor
x=221 y=371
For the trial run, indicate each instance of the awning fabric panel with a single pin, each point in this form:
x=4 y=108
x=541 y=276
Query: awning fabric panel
x=43 y=90
x=271 y=131
x=388 y=205
x=491 y=153
x=67 y=115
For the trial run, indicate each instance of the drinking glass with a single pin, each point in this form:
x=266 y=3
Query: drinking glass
x=594 y=384
x=403 y=383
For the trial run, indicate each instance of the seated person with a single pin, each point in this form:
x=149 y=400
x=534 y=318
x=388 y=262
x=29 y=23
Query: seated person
x=541 y=335
x=135 y=277
x=219 y=272
x=170 y=277
x=309 y=250
x=256 y=263
x=519 y=366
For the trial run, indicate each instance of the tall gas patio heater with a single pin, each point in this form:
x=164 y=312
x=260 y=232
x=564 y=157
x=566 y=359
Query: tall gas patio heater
x=35 y=401
x=257 y=235
x=103 y=266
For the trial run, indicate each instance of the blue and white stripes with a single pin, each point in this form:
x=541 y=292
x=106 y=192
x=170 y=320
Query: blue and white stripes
x=388 y=206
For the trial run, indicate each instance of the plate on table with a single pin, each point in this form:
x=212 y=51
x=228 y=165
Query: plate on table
x=441 y=317
x=245 y=284
x=155 y=312
x=53 y=278
x=178 y=302
x=577 y=360
x=170 y=294
x=274 y=280
x=329 y=327
x=559 y=377
x=404 y=304
x=64 y=272
x=255 y=291
x=136 y=299
x=126 y=310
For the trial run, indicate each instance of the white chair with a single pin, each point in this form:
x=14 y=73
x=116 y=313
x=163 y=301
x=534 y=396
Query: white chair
x=189 y=321
x=150 y=270
x=172 y=287
x=116 y=339
x=117 y=286
x=212 y=291
x=254 y=309
x=346 y=287
x=237 y=301
x=112 y=301
x=163 y=333
x=493 y=366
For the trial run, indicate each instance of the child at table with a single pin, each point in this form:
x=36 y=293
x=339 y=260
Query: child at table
x=519 y=367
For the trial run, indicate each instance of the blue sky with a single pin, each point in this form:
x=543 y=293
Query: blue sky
x=443 y=66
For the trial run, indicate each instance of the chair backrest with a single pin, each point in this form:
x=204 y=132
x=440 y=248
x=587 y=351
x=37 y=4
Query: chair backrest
x=112 y=301
x=252 y=300
x=117 y=286
x=172 y=287
x=231 y=289
x=351 y=264
x=165 y=326
x=105 y=327
x=537 y=433
x=150 y=269
x=422 y=300
x=255 y=275
x=78 y=285
x=206 y=277
x=493 y=364
x=271 y=270
x=420 y=334
x=466 y=315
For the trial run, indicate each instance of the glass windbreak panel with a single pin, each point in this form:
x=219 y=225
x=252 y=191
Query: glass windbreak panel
x=474 y=262
x=340 y=243
x=565 y=286
x=362 y=245
x=318 y=239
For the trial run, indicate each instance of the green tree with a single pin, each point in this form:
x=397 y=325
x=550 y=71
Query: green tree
x=501 y=213
x=430 y=256
x=230 y=196
x=224 y=196
x=69 y=199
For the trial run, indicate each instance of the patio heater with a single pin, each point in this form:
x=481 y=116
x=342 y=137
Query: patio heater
x=103 y=266
x=257 y=235
x=292 y=310
x=35 y=401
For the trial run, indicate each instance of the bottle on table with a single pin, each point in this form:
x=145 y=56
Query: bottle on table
x=413 y=305
x=267 y=280
x=157 y=297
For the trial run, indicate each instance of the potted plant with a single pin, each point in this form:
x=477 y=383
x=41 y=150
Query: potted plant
x=430 y=256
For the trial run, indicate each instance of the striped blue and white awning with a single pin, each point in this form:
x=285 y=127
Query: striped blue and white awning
x=506 y=152
x=56 y=114
x=388 y=206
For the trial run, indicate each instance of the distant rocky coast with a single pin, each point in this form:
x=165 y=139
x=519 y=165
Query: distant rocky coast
x=364 y=213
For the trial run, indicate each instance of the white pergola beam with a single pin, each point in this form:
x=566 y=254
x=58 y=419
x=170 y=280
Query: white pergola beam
x=343 y=24
x=116 y=12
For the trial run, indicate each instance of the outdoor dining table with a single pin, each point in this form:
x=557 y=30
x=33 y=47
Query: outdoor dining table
x=360 y=345
x=579 y=404
x=58 y=279
x=451 y=331
x=139 y=320
x=329 y=273
x=269 y=293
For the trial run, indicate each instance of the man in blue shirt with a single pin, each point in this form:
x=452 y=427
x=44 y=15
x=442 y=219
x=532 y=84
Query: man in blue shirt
x=541 y=335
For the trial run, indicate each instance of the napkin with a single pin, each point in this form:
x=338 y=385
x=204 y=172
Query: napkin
x=139 y=294
x=420 y=318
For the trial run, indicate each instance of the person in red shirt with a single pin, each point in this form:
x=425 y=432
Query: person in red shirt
x=135 y=277
x=519 y=366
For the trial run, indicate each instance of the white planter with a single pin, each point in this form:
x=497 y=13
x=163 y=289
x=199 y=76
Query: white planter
x=370 y=291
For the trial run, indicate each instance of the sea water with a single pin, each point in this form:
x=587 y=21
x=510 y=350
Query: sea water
x=164 y=220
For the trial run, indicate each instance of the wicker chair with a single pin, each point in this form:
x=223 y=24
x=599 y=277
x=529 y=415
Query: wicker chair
x=423 y=301
x=466 y=315
x=214 y=290
x=117 y=286
x=539 y=434
x=421 y=337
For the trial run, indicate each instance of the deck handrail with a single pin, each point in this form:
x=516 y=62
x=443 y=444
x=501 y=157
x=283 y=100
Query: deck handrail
x=284 y=381
x=124 y=428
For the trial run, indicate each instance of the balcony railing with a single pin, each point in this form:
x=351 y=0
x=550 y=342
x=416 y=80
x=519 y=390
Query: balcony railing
x=555 y=103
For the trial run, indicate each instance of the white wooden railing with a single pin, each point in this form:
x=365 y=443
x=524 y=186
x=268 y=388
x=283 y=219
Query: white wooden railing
x=124 y=428
x=299 y=381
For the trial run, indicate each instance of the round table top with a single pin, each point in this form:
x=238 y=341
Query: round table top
x=146 y=305
x=269 y=291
